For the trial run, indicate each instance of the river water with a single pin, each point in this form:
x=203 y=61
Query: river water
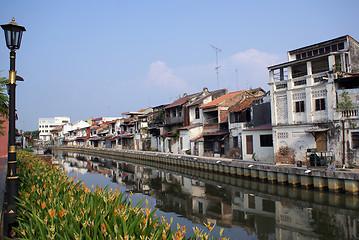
x=245 y=209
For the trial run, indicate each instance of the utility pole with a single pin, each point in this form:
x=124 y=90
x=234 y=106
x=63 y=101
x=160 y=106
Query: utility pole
x=217 y=65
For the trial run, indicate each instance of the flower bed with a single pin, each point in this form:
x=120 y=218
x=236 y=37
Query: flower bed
x=52 y=206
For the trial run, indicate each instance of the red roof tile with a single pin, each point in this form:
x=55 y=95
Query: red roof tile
x=243 y=105
x=57 y=128
x=221 y=100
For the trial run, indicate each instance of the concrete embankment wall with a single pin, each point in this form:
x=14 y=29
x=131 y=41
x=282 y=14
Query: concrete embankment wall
x=343 y=181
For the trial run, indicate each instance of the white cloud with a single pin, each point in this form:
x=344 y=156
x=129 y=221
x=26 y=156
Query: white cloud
x=161 y=75
x=255 y=58
x=251 y=66
x=252 y=69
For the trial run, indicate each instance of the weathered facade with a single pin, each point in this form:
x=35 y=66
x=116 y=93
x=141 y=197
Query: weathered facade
x=305 y=95
x=215 y=122
x=250 y=128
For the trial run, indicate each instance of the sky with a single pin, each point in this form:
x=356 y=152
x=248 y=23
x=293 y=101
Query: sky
x=91 y=58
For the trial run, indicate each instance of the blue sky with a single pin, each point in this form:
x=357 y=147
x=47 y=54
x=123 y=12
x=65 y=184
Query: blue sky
x=90 y=58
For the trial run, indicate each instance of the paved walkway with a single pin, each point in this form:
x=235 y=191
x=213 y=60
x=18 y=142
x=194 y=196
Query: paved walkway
x=3 y=170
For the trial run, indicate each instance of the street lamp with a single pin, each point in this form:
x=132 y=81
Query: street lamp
x=13 y=34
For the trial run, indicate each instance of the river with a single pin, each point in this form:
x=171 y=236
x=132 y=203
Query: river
x=245 y=209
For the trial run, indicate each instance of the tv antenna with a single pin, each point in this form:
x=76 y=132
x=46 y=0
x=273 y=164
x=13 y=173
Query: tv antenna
x=217 y=66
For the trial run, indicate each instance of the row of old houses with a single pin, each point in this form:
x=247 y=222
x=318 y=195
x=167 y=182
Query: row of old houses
x=311 y=108
x=204 y=124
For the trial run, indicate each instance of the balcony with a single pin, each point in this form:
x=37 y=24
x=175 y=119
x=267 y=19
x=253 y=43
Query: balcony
x=353 y=113
x=174 y=120
x=281 y=85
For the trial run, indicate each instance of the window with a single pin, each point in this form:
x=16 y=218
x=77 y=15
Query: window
x=249 y=143
x=299 y=106
x=197 y=112
x=200 y=208
x=299 y=70
x=315 y=52
x=341 y=46
x=234 y=117
x=298 y=56
x=266 y=140
x=235 y=142
x=319 y=104
x=355 y=140
x=251 y=201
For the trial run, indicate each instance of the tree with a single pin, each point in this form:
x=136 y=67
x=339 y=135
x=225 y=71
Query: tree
x=346 y=102
x=345 y=105
x=4 y=103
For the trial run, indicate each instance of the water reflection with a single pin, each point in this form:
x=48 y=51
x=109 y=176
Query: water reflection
x=245 y=209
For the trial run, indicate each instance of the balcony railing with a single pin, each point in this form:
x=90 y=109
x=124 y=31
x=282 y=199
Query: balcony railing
x=280 y=85
x=174 y=120
x=353 y=113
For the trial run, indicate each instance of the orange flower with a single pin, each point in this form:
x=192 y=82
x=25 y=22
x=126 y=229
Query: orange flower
x=58 y=189
x=27 y=195
x=32 y=188
x=163 y=234
x=52 y=213
x=103 y=228
x=43 y=205
x=61 y=214
x=208 y=225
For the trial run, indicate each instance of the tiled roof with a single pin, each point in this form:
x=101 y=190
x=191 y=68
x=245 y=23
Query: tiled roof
x=199 y=101
x=56 y=128
x=180 y=101
x=243 y=105
x=224 y=99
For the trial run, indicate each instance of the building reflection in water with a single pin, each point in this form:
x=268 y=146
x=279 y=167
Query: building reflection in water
x=259 y=210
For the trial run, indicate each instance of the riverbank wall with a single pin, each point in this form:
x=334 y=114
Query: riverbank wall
x=319 y=178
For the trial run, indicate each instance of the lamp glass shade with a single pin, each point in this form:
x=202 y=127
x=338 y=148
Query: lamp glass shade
x=13 y=35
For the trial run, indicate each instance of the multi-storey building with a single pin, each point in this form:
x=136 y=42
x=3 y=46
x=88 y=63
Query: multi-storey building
x=306 y=95
x=47 y=124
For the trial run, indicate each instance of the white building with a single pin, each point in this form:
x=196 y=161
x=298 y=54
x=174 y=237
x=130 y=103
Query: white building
x=47 y=124
x=305 y=92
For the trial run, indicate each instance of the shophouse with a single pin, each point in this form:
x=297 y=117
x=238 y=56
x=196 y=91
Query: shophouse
x=314 y=100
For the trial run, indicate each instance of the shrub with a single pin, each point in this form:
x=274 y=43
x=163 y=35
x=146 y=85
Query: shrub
x=285 y=155
x=53 y=206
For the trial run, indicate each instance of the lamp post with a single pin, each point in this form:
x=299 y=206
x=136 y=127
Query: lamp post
x=13 y=34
